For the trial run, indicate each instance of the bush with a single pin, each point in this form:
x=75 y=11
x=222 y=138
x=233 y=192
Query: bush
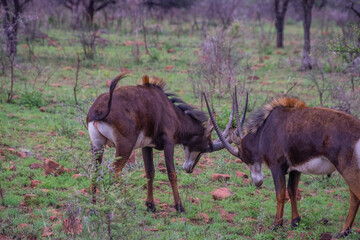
x=32 y=99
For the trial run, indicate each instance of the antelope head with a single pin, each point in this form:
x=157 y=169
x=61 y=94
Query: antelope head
x=242 y=150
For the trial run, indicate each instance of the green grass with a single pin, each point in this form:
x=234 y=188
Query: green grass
x=55 y=134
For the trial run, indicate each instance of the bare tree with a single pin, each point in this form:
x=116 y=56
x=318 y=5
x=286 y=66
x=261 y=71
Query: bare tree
x=307 y=8
x=12 y=15
x=355 y=7
x=86 y=8
x=280 y=11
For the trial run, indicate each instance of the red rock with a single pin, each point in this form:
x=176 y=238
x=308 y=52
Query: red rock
x=53 y=218
x=128 y=43
x=202 y=166
x=28 y=198
x=55 y=84
x=196 y=171
x=204 y=217
x=171 y=50
x=34 y=183
x=12 y=166
x=81 y=133
x=253 y=77
x=221 y=193
x=35 y=165
x=21 y=226
x=10 y=150
x=84 y=191
x=21 y=154
x=220 y=177
x=52 y=167
x=45 y=190
x=169 y=67
x=72 y=225
x=245 y=181
x=47 y=232
x=15 y=97
x=4 y=237
x=238 y=161
x=75 y=176
x=42 y=109
x=228 y=217
x=153 y=229
x=241 y=175
x=194 y=201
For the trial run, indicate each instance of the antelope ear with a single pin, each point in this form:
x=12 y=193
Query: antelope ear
x=234 y=138
x=209 y=127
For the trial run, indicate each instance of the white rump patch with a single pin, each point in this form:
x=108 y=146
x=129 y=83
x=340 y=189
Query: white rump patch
x=100 y=132
x=319 y=166
x=143 y=141
x=357 y=152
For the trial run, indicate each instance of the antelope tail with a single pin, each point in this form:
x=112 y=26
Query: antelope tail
x=111 y=90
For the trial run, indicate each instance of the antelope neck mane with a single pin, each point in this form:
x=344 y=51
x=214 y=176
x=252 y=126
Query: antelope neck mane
x=178 y=102
x=258 y=118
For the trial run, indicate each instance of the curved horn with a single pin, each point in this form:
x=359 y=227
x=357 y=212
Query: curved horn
x=240 y=123
x=217 y=144
x=232 y=150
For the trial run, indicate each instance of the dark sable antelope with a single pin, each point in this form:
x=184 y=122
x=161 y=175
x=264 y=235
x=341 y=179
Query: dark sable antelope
x=146 y=117
x=292 y=138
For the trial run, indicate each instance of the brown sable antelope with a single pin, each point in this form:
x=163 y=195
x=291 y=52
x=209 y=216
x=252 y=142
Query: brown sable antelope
x=146 y=117
x=292 y=138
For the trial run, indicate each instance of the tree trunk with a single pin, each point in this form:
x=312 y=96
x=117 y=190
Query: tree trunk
x=280 y=12
x=307 y=7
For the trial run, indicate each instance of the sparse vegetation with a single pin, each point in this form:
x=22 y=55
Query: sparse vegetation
x=42 y=122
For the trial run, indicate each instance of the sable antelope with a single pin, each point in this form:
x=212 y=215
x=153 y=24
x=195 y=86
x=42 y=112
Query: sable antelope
x=293 y=138
x=145 y=116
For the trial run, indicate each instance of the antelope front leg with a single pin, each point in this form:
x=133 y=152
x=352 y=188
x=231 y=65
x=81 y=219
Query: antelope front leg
x=354 y=206
x=98 y=155
x=293 y=182
x=280 y=187
x=150 y=173
x=169 y=160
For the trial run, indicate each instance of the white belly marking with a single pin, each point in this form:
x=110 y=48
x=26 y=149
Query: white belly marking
x=143 y=141
x=319 y=166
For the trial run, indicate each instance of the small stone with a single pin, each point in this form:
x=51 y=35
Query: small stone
x=221 y=193
x=21 y=226
x=51 y=166
x=241 y=175
x=42 y=109
x=21 y=154
x=35 y=165
x=75 y=176
x=34 y=183
x=220 y=177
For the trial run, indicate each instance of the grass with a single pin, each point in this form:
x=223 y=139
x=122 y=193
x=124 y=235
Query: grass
x=56 y=133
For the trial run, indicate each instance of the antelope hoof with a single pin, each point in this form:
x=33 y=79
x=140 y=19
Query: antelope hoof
x=295 y=222
x=179 y=208
x=274 y=227
x=150 y=207
x=344 y=233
